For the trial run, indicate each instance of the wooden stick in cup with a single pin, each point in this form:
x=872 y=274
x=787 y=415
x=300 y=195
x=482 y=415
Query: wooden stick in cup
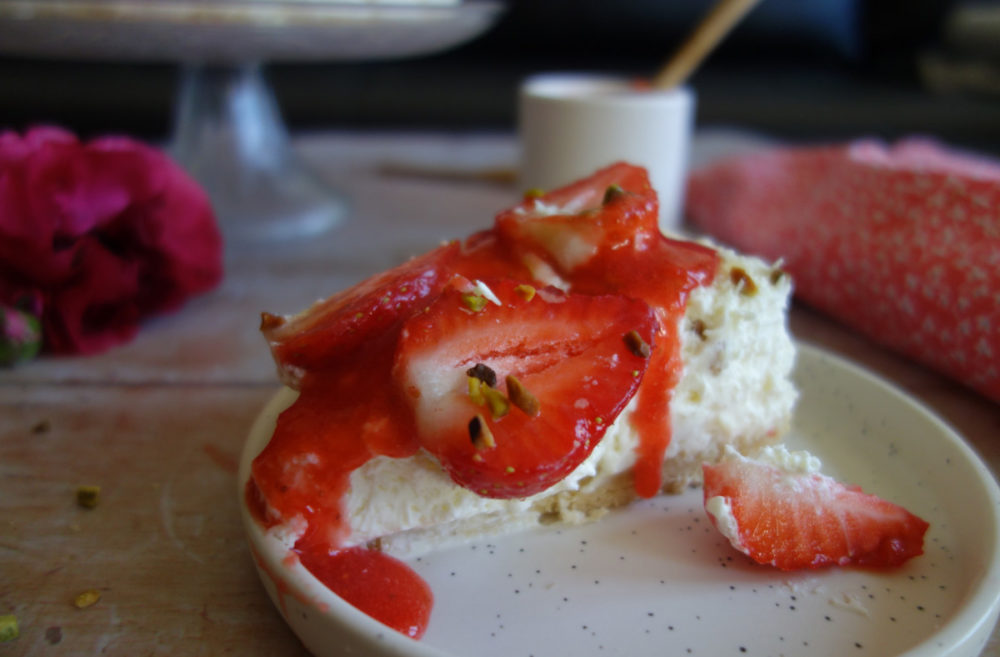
x=709 y=33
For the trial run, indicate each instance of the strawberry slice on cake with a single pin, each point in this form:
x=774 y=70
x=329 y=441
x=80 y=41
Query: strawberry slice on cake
x=513 y=387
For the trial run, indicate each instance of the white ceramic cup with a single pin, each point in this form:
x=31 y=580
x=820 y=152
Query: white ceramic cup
x=573 y=124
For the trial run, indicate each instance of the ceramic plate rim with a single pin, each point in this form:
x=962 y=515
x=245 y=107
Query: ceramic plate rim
x=979 y=610
x=972 y=621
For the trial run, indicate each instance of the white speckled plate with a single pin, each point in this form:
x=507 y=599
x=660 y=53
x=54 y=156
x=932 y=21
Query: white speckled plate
x=656 y=579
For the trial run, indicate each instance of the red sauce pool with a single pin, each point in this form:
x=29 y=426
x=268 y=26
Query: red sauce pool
x=382 y=586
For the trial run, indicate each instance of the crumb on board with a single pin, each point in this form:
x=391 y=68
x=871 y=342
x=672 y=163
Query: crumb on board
x=8 y=628
x=53 y=634
x=87 y=599
x=87 y=496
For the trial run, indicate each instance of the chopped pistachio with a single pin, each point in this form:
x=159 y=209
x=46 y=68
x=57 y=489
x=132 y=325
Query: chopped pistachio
x=599 y=420
x=87 y=496
x=474 y=302
x=484 y=373
x=637 y=345
x=480 y=434
x=521 y=397
x=612 y=193
x=510 y=469
x=739 y=275
x=476 y=391
x=8 y=628
x=534 y=192
x=87 y=599
x=525 y=291
x=777 y=275
x=498 y=404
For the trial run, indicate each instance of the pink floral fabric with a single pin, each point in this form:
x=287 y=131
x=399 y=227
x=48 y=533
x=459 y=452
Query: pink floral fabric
x=96 y=236
x=901 y=243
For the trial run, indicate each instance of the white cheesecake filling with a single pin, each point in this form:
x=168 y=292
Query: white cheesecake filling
x=390 y=495
x=734 y=391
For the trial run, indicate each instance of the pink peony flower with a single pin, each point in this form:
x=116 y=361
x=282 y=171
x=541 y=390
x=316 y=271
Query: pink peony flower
x=96 y=236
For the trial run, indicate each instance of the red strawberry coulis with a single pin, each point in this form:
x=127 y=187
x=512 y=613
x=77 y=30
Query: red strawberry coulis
x=382 y=586
x=351 y=408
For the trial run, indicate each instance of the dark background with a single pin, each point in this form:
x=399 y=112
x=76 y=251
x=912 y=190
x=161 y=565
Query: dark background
x=796 y=69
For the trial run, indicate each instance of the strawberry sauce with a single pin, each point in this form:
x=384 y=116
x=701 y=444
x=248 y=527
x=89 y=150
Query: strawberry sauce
x=652 y=417
x=383 y=587
x=662 y=274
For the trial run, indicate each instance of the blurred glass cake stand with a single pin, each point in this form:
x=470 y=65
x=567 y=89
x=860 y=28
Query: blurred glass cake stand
x=228 y=130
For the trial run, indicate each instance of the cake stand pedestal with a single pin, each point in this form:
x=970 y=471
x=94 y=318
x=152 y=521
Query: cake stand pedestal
x=228 y=130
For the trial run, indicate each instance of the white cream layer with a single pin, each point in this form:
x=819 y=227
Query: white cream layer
x=734 y=389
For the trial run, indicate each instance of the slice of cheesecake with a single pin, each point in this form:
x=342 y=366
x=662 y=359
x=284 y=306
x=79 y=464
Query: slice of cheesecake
x=562 y=363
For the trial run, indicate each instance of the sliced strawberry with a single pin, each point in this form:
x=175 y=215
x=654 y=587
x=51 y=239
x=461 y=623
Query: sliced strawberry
x=662 y=272
x=568 y=351
x=794 y=519
x=613 y=209
x=600 y=236
x=589 y=194
x=317 y=337
x=484 y=255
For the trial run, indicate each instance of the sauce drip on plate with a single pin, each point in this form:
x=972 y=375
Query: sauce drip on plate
x=382 y=586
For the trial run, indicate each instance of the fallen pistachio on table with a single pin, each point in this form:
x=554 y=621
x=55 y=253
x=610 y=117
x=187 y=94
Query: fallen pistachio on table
x=88 y=496
x=8 y=628
x=87 y=599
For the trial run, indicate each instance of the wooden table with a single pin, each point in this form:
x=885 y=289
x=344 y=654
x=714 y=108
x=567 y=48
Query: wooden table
x=158 y=424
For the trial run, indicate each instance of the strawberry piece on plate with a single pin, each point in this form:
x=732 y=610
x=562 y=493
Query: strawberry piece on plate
x=512 y=387
x=791 y=517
